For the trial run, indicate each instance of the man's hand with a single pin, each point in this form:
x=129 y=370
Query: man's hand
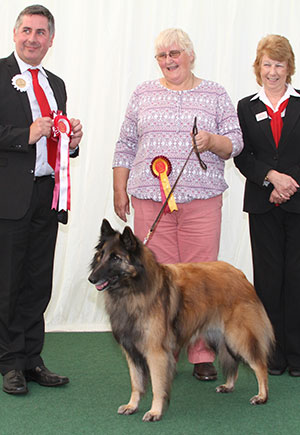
x=39 y=128
x=77 y=133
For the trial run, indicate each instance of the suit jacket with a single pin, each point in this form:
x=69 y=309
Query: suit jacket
x=17 y=157
x=260 y=153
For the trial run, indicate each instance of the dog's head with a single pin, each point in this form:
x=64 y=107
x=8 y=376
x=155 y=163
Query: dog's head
x=117 y=259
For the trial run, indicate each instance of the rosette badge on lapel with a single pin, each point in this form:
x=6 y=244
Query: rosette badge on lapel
x=161 y=167
x=62 y=191
x=20 y=82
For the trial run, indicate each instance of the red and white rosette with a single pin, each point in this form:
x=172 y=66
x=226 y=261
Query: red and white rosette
x=62 y=189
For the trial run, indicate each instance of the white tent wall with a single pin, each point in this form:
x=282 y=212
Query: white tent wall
x=103 y=49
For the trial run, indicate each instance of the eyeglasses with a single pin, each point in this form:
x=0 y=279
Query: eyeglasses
x=173 y=54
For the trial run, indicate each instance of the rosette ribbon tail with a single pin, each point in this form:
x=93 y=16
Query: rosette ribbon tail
x=62 y=189
x=165 y=189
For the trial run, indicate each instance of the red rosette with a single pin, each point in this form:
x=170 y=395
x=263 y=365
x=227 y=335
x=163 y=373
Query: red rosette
x=62 y=125
x=159 y=165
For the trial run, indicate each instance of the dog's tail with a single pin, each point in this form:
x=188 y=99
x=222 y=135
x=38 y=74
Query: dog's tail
x=248 y=338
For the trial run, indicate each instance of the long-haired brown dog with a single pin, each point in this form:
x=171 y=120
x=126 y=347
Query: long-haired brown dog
x=157 y=309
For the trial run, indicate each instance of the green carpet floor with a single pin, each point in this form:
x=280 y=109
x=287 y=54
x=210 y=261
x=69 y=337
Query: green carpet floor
x=99 y=383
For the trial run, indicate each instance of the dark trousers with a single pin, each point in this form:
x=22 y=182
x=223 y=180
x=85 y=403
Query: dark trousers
x=275 y=240
x=26 y=263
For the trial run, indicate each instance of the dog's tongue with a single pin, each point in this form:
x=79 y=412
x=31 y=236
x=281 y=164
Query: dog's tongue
x=102 y=286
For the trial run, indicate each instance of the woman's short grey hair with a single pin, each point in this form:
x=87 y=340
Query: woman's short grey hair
x=37 y=10
x=174 y=36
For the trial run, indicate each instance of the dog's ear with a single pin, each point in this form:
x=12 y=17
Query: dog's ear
x=129 y=239
x=106 y=229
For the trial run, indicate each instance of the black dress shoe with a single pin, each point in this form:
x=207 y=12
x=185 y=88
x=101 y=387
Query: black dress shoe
x=14 y=382
x=205 y=372
x=276 y=372
x=294 y=372
x=44 y=377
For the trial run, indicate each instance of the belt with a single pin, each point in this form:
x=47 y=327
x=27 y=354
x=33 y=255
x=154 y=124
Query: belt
x=42 y=178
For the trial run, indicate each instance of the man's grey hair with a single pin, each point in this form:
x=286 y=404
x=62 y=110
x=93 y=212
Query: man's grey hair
x=37 y=10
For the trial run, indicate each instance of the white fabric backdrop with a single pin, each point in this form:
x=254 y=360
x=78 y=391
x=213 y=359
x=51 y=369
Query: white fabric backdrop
x=103 y=49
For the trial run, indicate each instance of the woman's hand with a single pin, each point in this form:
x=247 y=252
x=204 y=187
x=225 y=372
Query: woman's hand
x=203 y=141
x=277 y=198
x=121 y=199
x=220 y=145
x=284 y=186
x=121 y=204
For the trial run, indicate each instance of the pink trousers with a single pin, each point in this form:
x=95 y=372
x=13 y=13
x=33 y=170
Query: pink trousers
x=191 y=234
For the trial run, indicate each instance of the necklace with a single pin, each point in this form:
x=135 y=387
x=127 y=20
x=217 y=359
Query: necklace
x=193 y=81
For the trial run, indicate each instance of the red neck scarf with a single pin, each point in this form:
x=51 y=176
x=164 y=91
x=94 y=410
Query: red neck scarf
x=276 y=120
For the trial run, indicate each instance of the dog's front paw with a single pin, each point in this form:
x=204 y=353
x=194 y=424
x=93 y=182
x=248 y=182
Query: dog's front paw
x=152 y=416
x=258 y=400
x=224 y=389
x=127 y=409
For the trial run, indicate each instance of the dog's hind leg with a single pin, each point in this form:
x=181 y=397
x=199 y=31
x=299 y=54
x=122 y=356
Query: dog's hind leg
x=250 y=347
x=161 y=366
x=228 y=387
x=258 y=350
x=229 y=366
x=261 y=373
x=138 y=377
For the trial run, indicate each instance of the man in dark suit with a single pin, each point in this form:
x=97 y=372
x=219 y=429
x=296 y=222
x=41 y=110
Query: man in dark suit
x=28 y=225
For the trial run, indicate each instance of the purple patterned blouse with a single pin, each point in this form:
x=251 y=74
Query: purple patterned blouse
x=159 y=121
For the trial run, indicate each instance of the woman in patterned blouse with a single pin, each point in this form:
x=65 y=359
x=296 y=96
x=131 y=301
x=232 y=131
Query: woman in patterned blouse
x=158 y=123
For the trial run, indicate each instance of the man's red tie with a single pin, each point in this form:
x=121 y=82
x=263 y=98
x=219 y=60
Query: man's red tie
x=45 y=111
x=276 y=121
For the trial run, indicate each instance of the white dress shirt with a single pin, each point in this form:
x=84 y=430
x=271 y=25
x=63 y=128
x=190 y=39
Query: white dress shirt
x=290 y=91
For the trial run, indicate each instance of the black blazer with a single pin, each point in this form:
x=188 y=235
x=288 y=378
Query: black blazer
x=17 y=157
x=260 y=153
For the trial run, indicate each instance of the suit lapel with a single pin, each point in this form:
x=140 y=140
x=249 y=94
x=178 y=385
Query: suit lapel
x=291 y=117
x=13 y=69
x=54 y=83
x=258 y=107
